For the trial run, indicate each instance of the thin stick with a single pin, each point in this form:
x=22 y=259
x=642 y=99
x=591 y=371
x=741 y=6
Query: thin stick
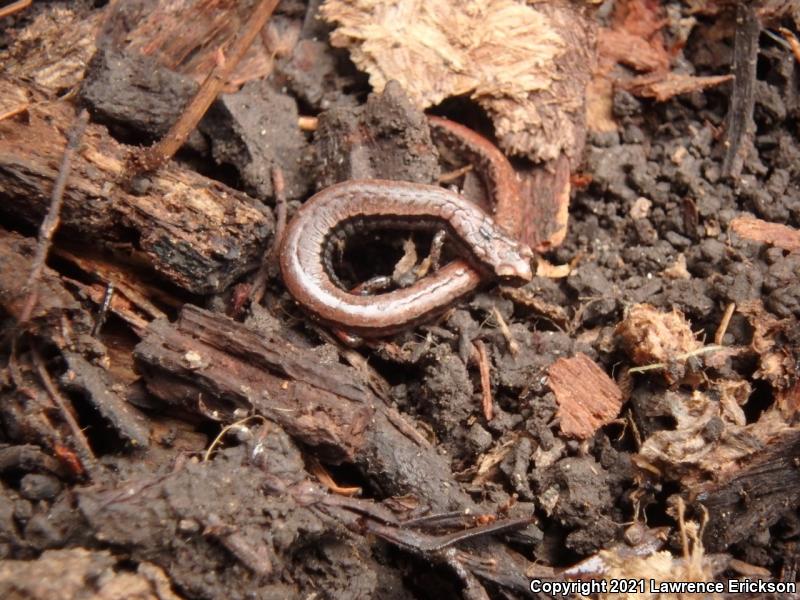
x=81 y=443
x=723 y=325
x=791 y=38
x=17 y=6
x=455 y=174
x=269 y=264
x=513 y=346
x=53 y=217
x=699 y=351
x=486 y=386
x=155 y=156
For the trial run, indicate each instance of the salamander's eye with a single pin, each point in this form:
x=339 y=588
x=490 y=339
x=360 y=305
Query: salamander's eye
x=485 y=232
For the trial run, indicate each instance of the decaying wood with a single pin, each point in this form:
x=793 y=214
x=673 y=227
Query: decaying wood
x=587 y=397
x=527 y=65
x=53 y=216
x=775 y=234
x=739 y=124
x=58 y=320
x=197 y=233
x=754 y=495
x=207 y=360
x=544 y=194
x=661 y=87
x=13 y=99
x=52 y=52
x=158 y=154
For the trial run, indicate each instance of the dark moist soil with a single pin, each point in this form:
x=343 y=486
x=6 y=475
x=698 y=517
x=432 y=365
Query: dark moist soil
x=229 y=528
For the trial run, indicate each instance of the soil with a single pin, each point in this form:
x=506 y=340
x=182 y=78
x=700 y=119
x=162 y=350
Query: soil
x=400 y=419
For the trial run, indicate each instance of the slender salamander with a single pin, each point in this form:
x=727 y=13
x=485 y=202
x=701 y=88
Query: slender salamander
x=307 y=245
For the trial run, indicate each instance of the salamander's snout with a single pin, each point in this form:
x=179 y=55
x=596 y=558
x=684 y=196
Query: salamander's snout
x=517 y=265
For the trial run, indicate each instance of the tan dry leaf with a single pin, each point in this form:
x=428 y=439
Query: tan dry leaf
x=527 y=66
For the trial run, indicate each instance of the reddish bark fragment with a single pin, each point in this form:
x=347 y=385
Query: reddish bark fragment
x=587 y=397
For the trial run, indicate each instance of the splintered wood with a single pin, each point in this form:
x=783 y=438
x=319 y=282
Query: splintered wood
x=526 y=65
x=587 y=397
x=775 y=234
x=227 y=229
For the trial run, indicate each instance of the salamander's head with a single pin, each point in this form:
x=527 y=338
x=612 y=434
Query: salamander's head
x=512 y=261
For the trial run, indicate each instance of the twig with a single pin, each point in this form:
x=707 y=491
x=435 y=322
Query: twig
x=279 y=188
x=513 y=346
x=269 y=263
x=739 y=124
x=315 y=468
x=81 y=443
x=455 y=174
x=654 y=366
x=791 y=38
x=155 y=156
x=17 y=6
x=53 y=217
x=14 y=111
x=723 y=325
x=486 y=386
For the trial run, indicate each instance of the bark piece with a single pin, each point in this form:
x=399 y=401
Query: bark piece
x=775 y=234
x=740 y=127
x=197 y=233
x=98 y=389
x=326 y=406
x=662 y=87
x=754 y=493
x=587 y=397
x=544 y=195
x=526 y=65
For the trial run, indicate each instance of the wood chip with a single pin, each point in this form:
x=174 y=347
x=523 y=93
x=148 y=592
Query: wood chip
x=587 y=397
x=663 y=86
x=775 y=234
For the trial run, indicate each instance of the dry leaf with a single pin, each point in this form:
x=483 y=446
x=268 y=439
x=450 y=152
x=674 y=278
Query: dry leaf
x=526 y=65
